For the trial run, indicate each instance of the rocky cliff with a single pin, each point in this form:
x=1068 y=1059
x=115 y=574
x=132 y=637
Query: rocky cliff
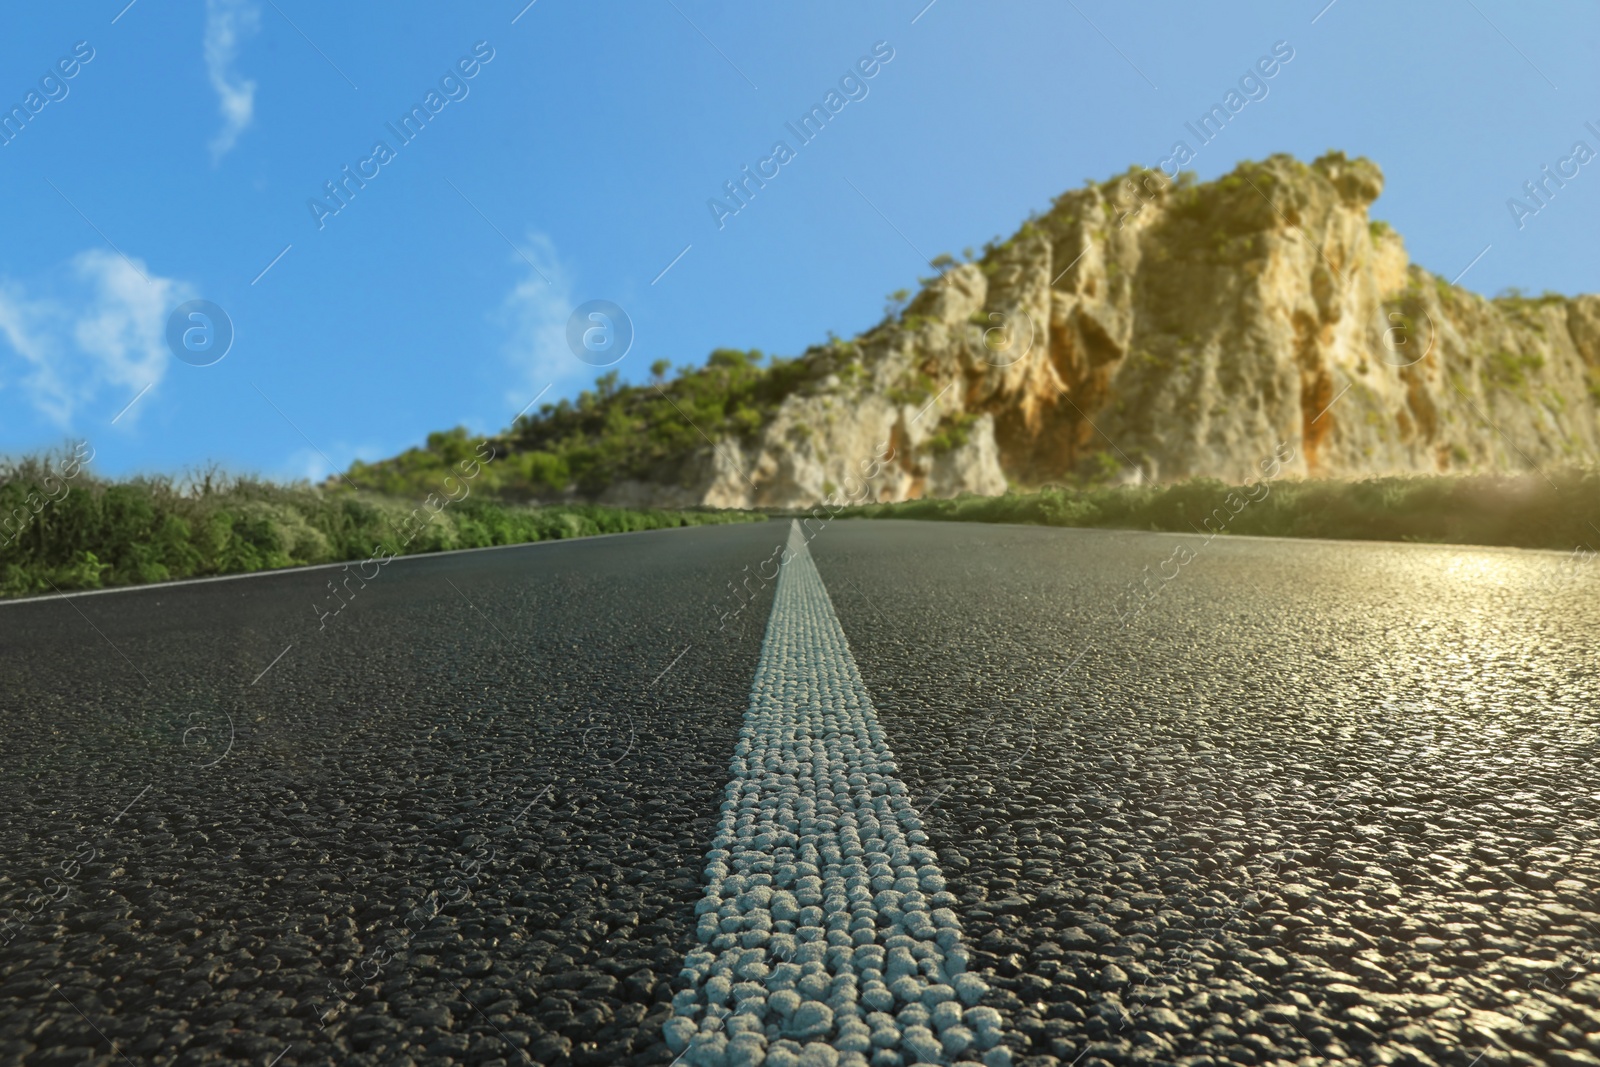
x=1147 y=329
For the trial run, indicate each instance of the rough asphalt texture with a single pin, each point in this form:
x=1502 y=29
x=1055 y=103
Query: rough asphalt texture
x=1316 y=803
x=1312 y=803
x=243 y=909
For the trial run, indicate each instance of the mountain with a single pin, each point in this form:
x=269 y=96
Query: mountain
x=1143 y=329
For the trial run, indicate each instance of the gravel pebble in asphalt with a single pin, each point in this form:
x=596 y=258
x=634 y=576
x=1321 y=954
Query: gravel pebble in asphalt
x=1318 y=803
x=378 y=776
x=1314 y=803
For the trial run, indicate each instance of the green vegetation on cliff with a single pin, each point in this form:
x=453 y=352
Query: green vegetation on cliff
x=1172 y=316
x=612 y=432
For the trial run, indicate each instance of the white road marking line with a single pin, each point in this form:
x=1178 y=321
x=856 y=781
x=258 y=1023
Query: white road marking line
x=825 y=918
x=280 y=572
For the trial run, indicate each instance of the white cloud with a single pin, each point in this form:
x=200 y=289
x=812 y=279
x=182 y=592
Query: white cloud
x=103 y=330
x=535 y=313
x=23 y=324
x=125 y=330
x=227 y=21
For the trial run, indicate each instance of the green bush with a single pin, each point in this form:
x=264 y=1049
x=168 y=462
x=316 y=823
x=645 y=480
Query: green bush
x=952 y=433
x=98 y=533
x=1480 y=509
x=1510 y=370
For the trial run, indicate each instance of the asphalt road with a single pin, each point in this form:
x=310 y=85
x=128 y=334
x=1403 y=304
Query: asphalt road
x=1273 y=801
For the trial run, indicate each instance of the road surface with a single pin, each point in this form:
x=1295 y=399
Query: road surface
x=999 y=794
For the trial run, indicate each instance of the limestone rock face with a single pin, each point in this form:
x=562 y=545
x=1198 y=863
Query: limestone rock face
x=1150 y=330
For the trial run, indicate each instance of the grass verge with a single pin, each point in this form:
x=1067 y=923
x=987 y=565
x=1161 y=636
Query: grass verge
x=1527 y=511
x=63 y=529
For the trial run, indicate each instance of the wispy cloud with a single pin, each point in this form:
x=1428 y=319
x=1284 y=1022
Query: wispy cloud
x=312 y=465
x=307 y=464
x=227 y=22
x=535 y=315
x=102 y=329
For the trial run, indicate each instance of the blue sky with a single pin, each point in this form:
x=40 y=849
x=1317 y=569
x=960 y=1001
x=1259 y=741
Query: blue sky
x=578 y=161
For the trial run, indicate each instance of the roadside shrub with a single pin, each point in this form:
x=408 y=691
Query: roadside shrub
x=1522 y=510
x=85 y=532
